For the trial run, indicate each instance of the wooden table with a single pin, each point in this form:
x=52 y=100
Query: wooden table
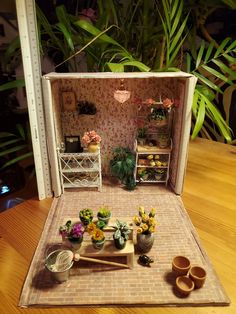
x=209 y=197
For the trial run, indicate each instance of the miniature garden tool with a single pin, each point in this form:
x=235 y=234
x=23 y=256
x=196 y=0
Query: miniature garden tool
x=65 y=257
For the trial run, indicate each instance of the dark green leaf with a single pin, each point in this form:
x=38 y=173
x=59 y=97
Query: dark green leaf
x=12 y=85
x=209 y=51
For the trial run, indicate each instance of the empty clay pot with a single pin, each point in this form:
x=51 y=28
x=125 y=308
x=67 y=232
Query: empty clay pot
x=180 y=265
x=198 y=276
x=184 y=285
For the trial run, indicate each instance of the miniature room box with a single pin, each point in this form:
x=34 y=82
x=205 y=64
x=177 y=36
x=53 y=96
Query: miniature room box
x=78 y=102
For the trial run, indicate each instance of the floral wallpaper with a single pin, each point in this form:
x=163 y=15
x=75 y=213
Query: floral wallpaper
x=116 y=123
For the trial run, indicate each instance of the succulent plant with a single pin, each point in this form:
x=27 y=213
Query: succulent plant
x=86 y=215
x=104 y=212
x=121 y=234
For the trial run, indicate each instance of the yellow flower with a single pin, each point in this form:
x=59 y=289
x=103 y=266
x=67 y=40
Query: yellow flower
x=141 y=210
x=91 y=228
x=151 y=229
x=152 y=212
x=152 y=221
x=98 y=235
x=137 y=220
x=145 y=218
x=145 y=227
x=139 y=230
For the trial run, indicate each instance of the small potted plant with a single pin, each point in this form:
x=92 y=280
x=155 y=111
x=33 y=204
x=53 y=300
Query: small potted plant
x=91 y=140
x=86 y=216
x=163 y=140
x=159 y=173
x=72 y=233
x=97 y=236
x=104 y=214
x=141 y=136
x=121 y=234
x=146 y=226
x=159 y=110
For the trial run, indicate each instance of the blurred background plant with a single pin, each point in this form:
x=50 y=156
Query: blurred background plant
x=147 y=35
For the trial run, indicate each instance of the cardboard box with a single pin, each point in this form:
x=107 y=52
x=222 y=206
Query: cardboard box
x=116 y=123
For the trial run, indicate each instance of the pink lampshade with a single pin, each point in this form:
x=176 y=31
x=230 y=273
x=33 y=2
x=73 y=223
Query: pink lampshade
x=122 y=95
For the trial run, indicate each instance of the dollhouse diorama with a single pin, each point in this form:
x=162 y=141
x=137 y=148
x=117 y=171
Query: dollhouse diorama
x=92 y=120
x=147 y=113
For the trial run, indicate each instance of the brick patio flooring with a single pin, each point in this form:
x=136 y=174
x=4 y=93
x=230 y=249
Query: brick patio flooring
x=94 y=284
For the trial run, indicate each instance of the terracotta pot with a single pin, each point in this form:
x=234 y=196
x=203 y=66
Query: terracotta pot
x=145 y=242
x=181 y=265
x=93 y=147
x=198 y=276
x=184 y=285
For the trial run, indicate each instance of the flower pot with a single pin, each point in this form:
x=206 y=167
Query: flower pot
x=85 y=221
x=145 y=242
x=163 y=143
x=141 y=141
x=104 y=219
x=98 y=245
x=74 y=244
x=93 y=147
x=118 y=245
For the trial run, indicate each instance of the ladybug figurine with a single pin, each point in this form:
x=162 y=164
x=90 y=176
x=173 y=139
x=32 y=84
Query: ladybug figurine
x=144 y=260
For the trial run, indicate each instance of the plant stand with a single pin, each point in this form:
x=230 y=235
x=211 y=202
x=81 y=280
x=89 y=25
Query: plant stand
x=153 y=170
x=80 y=170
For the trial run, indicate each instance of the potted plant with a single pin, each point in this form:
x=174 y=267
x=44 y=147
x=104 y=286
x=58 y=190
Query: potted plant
x=163 y=140
x=142 y=134
x=86 y=216
x=122 y=166
x=97 y=236
x=159 y=173
x=121 y=234
x=91 y=139
x=72 y=233
x=146 y=226
x=104 y=214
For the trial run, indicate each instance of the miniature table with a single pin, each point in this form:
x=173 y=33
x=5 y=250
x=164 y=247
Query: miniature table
x=109 y=249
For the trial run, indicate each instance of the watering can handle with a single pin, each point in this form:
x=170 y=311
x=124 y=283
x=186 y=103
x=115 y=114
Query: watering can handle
x=77 y=257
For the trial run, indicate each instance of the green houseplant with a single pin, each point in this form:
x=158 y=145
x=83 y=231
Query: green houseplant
x=121 y=234
x=149 y=36
x=122 y=166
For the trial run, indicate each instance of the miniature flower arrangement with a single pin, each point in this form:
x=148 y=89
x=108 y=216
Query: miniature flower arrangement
x=145 y=232
x=86 y=215
x=165 y=104
x=72 y=232
x=146 y=222
x=97 y=235
x=91 y=137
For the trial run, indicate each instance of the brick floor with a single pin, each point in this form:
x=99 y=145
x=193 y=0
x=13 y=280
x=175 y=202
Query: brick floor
x=93 y=284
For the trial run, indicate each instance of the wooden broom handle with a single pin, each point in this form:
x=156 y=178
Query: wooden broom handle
x=77 y=257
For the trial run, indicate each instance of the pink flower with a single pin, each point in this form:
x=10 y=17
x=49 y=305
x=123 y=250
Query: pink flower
x=91 y=136
x=167 y=103
x=149 y=101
